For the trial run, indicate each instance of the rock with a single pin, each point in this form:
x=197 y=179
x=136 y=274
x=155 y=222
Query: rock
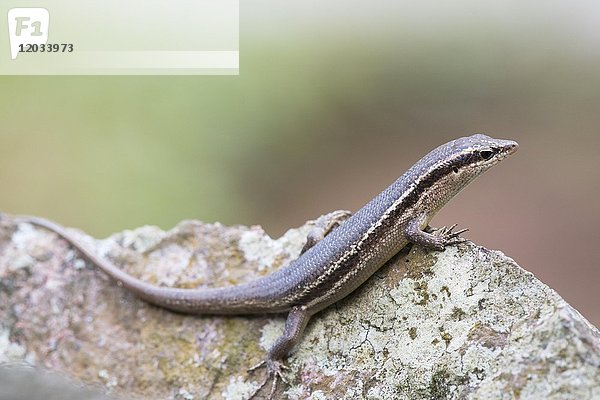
x=464 y=323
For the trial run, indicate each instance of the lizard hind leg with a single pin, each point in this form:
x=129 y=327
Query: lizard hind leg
x=294 y=326
x=324 y=225
x=298 y=316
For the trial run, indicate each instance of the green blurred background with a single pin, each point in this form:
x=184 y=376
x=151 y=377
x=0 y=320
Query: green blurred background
x=335 y=100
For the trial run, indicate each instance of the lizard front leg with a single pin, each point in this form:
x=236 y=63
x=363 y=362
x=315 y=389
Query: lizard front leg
x=438 y=240
x=294 y=326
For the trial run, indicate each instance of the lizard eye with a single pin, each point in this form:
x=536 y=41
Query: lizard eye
x=455 y=170
x=486 y=154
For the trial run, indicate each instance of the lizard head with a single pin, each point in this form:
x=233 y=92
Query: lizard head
x=452 y=166
x=475 y=154
x=468 y=157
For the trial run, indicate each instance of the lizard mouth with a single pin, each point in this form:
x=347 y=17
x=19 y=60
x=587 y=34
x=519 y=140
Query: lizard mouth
x=507 y=147
x=511 y=147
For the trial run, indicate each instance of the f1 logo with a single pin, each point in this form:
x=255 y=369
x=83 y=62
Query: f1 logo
x=27 y=26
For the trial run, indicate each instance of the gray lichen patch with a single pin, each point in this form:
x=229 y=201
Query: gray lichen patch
x=464 y=323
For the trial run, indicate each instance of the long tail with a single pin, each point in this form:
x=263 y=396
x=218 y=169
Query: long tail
x=226 y=300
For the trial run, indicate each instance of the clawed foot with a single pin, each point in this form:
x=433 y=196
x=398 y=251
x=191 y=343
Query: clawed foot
x=274 y=371
x=448 y=237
